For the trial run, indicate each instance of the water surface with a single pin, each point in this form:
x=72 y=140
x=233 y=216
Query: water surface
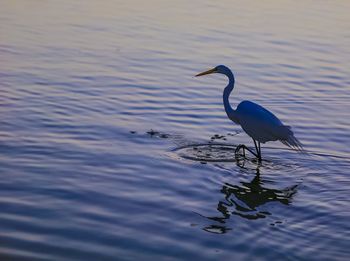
x=111 y=149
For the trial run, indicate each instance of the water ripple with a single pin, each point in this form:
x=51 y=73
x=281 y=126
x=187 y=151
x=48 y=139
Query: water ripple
x=111 y=148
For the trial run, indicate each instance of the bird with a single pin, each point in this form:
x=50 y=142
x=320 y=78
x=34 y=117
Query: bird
x=259 y=123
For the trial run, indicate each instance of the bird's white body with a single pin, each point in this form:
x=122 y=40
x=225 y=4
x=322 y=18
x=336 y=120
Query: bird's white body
x=259 y=123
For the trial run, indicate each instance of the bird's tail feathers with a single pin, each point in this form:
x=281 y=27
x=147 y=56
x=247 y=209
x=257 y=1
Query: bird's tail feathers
x=291 y=141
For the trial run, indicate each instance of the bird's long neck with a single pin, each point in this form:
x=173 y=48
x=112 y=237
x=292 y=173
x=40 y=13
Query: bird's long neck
x=231 y=113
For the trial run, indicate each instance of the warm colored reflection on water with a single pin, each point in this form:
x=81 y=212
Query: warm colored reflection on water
x=110 y=148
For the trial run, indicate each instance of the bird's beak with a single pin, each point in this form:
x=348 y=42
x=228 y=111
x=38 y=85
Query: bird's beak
x=207 y=72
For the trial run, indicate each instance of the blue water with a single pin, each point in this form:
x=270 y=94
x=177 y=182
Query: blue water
x=110 y=149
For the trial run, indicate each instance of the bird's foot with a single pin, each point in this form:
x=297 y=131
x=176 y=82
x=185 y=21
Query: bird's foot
x=244 y=147
x=238 y=148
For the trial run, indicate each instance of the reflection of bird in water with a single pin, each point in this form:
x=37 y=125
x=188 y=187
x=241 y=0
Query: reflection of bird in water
x=245 y=199
x=248 y=196
x=260 y=124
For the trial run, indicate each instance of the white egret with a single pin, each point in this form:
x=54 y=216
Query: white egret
x=259 y=123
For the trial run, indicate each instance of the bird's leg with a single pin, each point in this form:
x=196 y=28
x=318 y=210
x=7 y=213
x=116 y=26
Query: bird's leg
x=238 y=148
x=258 y=150
x=244 y=147
x=256 y=147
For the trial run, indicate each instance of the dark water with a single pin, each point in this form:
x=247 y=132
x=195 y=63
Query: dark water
x=111 y=149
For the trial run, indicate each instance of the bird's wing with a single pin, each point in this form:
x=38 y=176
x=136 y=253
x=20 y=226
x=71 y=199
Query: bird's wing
x=263 y=126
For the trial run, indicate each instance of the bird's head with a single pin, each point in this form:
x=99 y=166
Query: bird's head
x=218 y=69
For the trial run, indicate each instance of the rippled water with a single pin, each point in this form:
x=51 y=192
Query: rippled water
x=111 y=149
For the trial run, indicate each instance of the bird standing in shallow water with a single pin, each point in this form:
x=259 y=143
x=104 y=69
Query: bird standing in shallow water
x=259 y=123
